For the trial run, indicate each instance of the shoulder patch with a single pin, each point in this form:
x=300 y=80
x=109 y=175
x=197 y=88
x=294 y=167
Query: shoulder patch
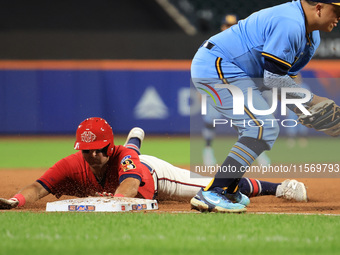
x=128 y=164
x=125 y=158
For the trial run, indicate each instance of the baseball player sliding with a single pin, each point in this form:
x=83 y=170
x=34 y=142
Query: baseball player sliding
x=102 y=168
x=232 y=69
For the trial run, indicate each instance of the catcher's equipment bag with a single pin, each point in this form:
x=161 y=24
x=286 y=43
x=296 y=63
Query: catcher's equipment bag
x=325 y=117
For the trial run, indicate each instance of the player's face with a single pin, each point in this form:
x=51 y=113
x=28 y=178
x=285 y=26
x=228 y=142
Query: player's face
x=96 y=158
x=330 y=17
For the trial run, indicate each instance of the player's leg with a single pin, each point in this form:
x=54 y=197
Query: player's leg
x=134 y=139
x=253 y=187
x=291 y=132
x=208 y=133
x=174 y=182
x=177 y=182
x=257 y=133
x=205 y=73
x=254 y=138
x=264 y=159
x=170 y=181
x=288 y=189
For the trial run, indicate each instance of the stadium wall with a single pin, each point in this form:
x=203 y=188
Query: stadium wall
x=53 y=97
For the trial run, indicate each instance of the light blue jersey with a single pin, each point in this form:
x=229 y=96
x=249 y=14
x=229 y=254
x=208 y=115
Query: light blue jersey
x=277 y=33
x=275 y=37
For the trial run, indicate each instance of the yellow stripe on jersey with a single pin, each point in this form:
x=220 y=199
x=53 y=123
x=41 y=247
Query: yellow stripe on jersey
x=277 y=59
x=259 y=137
x=221 y=76
x=219 y=70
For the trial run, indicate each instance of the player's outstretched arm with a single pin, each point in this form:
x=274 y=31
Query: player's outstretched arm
x=128 y=187
x=28 y=194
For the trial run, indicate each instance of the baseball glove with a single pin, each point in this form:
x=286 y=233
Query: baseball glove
x=8 y=203
x=325 y=117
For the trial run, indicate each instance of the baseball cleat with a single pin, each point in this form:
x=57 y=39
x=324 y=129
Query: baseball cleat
x=215 y=201
x=292 y=190
x=238 y=197
x=136 y=132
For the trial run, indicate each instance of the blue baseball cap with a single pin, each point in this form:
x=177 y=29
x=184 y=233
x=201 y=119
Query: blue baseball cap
x=335 y=2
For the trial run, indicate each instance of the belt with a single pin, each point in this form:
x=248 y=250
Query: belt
x=208 y=45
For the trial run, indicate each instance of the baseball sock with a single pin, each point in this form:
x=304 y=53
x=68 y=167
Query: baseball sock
x=252 y=187
x=242 y=155
x=135 y=144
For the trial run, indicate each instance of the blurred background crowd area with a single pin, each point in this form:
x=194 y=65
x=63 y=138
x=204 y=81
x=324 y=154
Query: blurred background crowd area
x=121 y=29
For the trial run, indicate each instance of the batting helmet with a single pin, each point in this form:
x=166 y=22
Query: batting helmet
x=93 y=134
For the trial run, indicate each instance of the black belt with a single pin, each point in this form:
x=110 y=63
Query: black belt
x=208 y=45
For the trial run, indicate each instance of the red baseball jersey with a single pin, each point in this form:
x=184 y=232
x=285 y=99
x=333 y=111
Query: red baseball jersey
x=72 y=175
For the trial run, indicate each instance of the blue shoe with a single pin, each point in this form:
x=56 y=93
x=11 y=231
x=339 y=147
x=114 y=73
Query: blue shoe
x=215 y=201
x=238 y=197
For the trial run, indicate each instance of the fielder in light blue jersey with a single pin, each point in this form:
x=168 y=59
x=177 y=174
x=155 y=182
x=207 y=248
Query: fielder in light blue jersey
x=262 y=52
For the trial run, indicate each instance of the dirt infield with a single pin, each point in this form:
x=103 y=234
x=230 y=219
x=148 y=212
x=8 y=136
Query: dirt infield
x=323 y=194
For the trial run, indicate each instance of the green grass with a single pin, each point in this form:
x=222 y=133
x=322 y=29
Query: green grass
x=34 y=152
x=317 y=150
x=151 y=233
x=41 y=152
x=139 y=233
x=175 y=150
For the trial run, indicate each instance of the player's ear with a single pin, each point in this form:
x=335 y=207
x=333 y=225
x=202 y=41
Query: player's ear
x=318 y=8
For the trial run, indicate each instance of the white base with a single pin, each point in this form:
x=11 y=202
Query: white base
x=102 y=204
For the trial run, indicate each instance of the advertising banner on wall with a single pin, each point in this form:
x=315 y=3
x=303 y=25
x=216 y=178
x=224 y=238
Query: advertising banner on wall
x=48 y=98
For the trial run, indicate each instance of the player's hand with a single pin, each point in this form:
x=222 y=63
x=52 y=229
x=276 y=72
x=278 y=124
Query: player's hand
x=324 y=116
x=6 y=204
x=104 y=194
x=317 y=99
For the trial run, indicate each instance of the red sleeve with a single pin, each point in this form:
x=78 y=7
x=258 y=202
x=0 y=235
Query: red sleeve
x=60 y=173
x=130 y=166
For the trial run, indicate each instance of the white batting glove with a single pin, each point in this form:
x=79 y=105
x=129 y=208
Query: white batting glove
x=6 y=204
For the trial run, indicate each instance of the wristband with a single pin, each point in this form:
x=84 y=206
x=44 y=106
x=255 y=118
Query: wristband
x=21 y=199
x=118 y=195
